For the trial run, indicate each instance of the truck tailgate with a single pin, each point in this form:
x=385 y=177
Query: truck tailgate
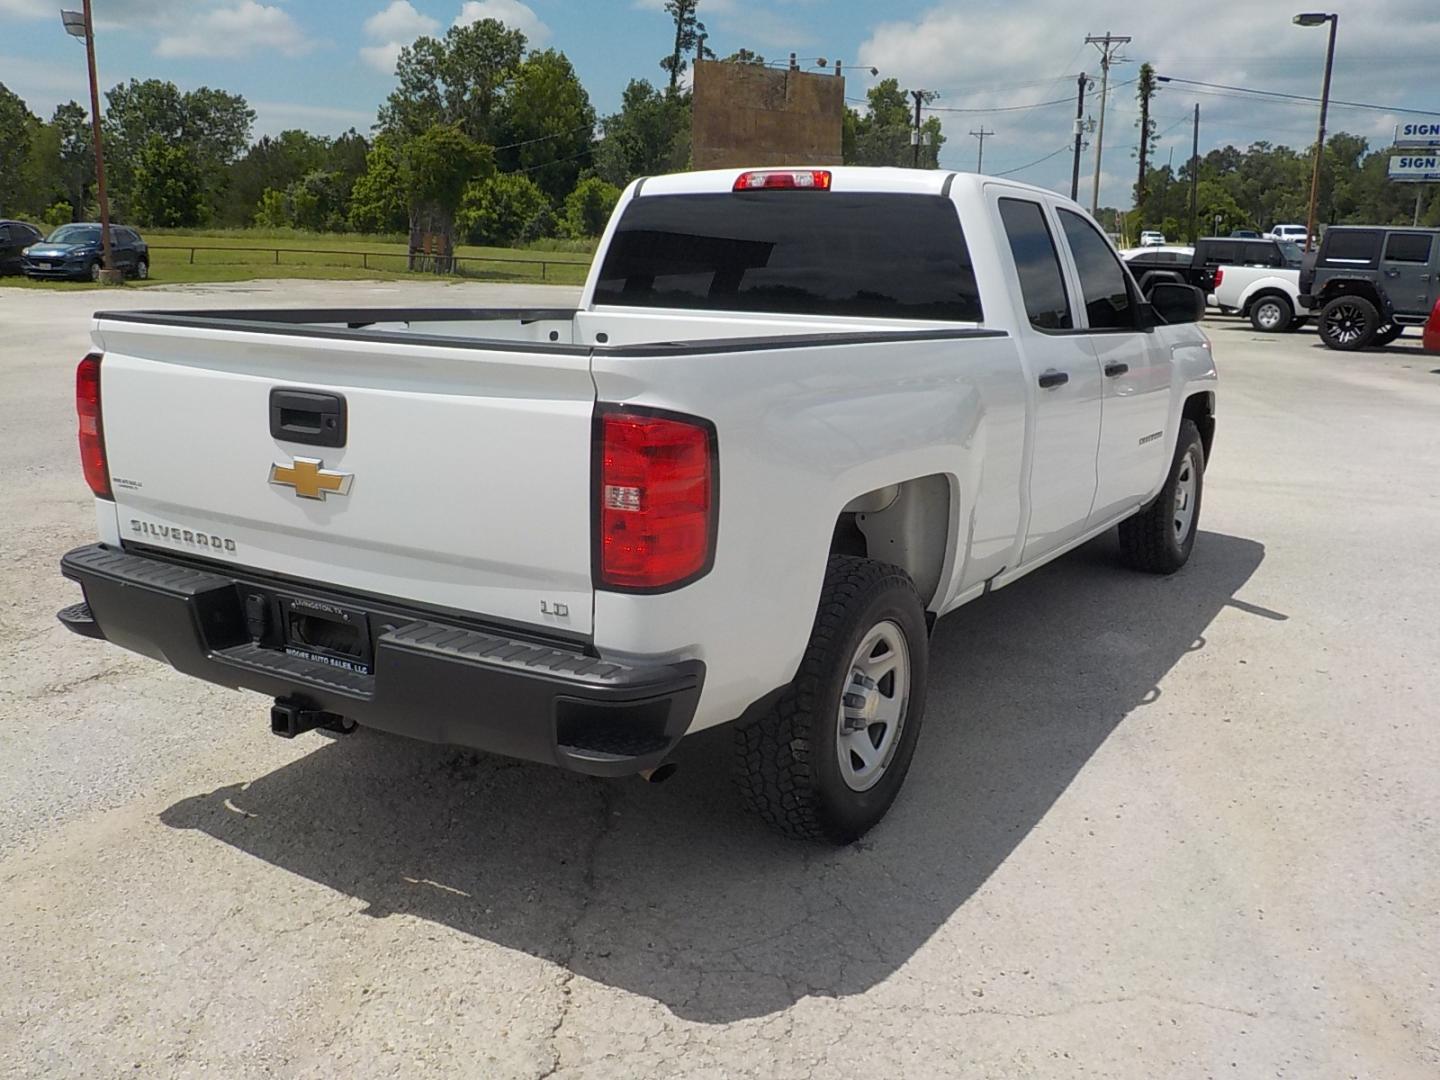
x=468 y=465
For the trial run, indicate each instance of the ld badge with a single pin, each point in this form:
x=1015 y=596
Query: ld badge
x=310 y=479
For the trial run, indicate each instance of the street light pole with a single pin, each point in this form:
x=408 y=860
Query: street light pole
x=1317 y=18
x=84 y=27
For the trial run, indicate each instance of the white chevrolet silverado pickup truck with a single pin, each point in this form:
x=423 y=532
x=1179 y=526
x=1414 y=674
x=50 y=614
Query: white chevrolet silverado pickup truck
x=798 y=415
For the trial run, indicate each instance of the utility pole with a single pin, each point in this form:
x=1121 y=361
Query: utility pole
x=81 y=24
x=1108 y=46
x=982 y=135
x=1081 y=87
x=919 y=96
x=1195 y=179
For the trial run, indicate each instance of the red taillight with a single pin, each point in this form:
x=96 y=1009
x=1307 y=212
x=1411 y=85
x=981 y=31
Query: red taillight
x=656 y=500
x=784 y=180
x=92 y=431
x=1219 y=275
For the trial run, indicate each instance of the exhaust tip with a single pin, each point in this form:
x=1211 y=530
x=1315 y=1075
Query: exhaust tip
x=660 y=773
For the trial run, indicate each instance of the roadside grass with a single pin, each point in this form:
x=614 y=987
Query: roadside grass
x=179 y=257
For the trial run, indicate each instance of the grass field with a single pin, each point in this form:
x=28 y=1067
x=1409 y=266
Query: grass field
x=246 y=255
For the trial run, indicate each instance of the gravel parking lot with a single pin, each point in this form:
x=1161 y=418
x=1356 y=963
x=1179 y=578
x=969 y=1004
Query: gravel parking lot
x=1183 y=827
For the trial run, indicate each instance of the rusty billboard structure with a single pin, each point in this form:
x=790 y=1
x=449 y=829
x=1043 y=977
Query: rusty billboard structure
x=750 y=114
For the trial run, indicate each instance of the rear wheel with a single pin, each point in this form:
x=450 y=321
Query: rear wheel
x=1272 y=314
x=1160 y=537
x=1349 y=323
x=1386 y=334
x=827 y=759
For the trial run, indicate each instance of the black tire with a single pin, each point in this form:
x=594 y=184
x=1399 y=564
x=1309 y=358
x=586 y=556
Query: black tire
x=94 y=271
x=142 y=270
x=1272 y=313
x=1151 y=541
x=1386 y=334
x=788 y=757
x=1349 y=323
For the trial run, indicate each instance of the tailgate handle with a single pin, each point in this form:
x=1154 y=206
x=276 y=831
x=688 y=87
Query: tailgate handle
x=307 y=417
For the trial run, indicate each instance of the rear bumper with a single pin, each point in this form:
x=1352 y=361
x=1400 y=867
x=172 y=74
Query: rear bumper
x=433 y=679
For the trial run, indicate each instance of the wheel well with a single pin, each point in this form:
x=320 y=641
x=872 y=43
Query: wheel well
x=1351 y=287
x=905 y=524
x=1201 y=409
x=1262 y=294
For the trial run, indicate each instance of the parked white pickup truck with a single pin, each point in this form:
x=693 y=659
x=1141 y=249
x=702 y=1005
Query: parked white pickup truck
x=798 y=415
x=1269 y=296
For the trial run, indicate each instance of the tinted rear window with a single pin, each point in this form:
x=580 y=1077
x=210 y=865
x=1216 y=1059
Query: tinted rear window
x=1351 y=247
x=794 y=252
x=1408 y=247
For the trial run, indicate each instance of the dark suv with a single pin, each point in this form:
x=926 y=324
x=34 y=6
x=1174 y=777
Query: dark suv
x=1370 y=282
x=15 y=237
x=74 y=251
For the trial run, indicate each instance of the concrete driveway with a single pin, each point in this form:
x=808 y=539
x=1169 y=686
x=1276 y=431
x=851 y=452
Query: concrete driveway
x=1180 y=827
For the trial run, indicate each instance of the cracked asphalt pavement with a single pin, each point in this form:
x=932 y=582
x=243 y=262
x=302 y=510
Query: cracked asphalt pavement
x=1180 y=827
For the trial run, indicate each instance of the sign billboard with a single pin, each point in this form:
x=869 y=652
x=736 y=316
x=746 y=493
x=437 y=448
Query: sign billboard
x=1417 y=168
x=1418 y=135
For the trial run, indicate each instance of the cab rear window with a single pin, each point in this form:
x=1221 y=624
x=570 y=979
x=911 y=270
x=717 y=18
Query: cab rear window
x=793 y=252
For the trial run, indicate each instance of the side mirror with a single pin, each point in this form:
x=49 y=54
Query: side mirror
x=1176 y=303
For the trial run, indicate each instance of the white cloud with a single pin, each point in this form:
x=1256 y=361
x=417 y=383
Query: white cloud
x=1023 y=52
x=393 y=27
x=235 y=30
x=399 y=22
x=513 y=13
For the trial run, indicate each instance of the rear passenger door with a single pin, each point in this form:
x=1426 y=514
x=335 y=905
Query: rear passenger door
x=1405 y=268
x=1136 y=368
x=1064 y=375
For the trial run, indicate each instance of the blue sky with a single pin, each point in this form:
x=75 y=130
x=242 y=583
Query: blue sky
x=321 y=64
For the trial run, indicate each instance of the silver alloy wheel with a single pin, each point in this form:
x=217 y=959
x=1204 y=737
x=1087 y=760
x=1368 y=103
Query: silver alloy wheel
x=95 y=271
x=142 y=270
x=1269 y=315
x=873 y=706
x=1186 y=482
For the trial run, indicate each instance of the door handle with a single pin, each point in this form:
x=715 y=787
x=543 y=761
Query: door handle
x=1112 y=370
x=1051 y=379
x=1392 y=273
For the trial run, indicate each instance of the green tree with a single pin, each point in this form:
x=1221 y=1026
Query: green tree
x=377 y=201
x=500 y=209
x=169 y=186
x=76 y=155
x=689 y=33
x=650 y=134
x=744 y=56
x=1145 y=90
x=272 y=212
x=273 y=162
x=213 y=125
x=435 y=169
x=548 y=124
x=881 y=135
x=459 y=80
x=18 y=127
x=588 y=208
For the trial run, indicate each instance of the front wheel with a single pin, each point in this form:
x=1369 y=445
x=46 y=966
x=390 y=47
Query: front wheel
x=827 y=759
x=1160 y=537
x=95 y=271
x=1272 y=314
x=142 y=270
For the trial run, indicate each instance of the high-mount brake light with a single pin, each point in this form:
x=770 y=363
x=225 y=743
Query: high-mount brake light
x=92 y=430
x=784 y=180
x=656 y=499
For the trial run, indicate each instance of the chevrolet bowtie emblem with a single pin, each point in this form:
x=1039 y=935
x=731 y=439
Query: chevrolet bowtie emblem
x=310 y=478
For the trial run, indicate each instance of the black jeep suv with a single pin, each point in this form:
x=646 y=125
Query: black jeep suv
x=1370 y=282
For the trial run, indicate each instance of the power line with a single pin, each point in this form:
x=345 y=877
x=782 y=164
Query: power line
x=1296 y=97
x=543 y=138
x=1037 y=161
x=1033 y=105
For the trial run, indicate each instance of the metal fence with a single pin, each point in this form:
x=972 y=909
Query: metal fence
x=418 y=263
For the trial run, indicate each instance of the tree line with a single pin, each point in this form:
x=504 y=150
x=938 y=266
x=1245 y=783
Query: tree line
x=482 y=136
